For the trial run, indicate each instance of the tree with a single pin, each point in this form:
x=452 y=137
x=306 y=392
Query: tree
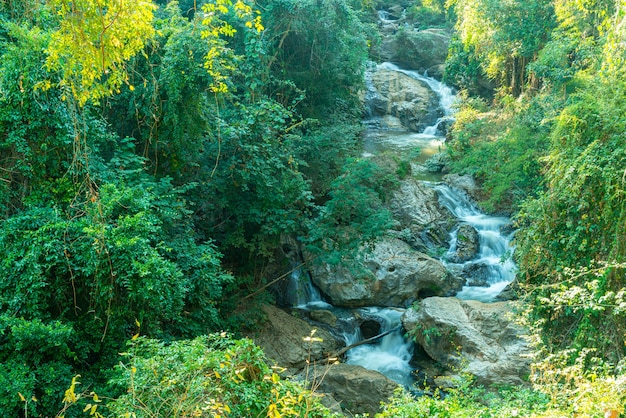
x=504 y=36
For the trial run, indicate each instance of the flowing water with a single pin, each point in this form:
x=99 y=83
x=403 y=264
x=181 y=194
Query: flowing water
x=392 y=353
x=494 y=259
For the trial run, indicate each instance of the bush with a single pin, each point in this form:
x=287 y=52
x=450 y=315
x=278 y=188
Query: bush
x=213 y=375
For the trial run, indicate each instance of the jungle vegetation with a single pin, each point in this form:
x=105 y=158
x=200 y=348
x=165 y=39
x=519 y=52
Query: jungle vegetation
x=153 y=154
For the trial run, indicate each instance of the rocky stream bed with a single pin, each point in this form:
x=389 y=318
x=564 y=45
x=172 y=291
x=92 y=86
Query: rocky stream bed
x=435 y=286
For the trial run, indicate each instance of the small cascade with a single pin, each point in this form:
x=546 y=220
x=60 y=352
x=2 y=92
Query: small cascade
x=370 y=95
x=430 y=141
x=301 y=290
x=385 y=17
x=391 y=355
x=494 y=259
x=447 y=98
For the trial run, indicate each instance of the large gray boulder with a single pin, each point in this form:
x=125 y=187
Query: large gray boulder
x=283 y=338
x=406 y=99
x=393 y=274
x=422 y=50
x=476 y=337
x=416 y=207
x=414 y=203
x=358 y=390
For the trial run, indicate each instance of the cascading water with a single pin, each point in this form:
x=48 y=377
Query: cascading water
x=445 y=93
x=392 y=354
x=494 y=258
x=430 y=141
x=302 y=291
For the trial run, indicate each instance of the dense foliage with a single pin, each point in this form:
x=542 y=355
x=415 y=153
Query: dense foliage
x=557 y=154
x=153 y=154
x=208 y=376
x=151 y=157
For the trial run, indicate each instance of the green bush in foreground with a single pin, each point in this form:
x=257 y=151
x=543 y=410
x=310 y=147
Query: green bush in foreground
x=208 y=376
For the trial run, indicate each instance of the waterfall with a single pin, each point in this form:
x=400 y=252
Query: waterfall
x=301 y=292
x=447 y=98
x=391 y=355
x=494 y=258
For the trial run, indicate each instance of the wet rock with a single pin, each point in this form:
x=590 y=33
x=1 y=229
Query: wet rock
x=467 y=244
x=477 y=282
x=282 y=338
x=408 y=100
x=369 y=328
x=425 y=222
x=465 y=183
x=476 y=274
x=324 y=317
x=477 y=337
x=358 y=390
x=510 y=292
x=393 y=274
x=392 y=123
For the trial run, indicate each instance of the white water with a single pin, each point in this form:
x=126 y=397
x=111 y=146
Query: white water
x=446 y=96
x=391 y=355
x=495 y=251
x=430 y=140
x=302 y=292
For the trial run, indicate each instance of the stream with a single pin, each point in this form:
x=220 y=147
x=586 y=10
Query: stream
x=392 y=354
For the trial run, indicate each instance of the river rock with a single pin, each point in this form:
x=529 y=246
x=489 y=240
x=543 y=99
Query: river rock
x=324 y=317
x=477 y=337
x=282 y=338
x=465 y=183
x=422 y=50
x=408 y=100
x=476 y=274
x=510 y=292
x=416 y=207
x=358 y=390
x=467 y=244
x=393 y=274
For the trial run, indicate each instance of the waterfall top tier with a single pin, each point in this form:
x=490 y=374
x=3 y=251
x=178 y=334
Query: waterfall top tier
x=447 y=98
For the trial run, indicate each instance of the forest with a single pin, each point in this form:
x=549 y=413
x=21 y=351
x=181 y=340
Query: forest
x=154 y=155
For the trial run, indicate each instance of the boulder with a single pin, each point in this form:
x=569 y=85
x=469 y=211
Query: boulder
x=416 y=207
x=510 y=292
x=465 y=183
x=393 y=274
x=324 y=317
x=476 y=274
x=437 y=162
x=422 y=50
x=358 y=390
x=476 y=337
x=408 y=100
x=282 y=338
x=467 y=244
x=414 y=203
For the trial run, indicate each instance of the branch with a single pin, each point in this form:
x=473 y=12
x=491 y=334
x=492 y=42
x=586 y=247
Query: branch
x=366 y=341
